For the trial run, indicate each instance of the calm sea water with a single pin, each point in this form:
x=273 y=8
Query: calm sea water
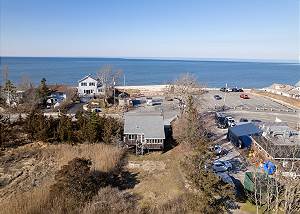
x=144 y=71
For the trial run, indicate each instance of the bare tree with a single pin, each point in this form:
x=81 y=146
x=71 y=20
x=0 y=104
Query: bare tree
x=183 y=88
x=280 y=191
x=25 y=83
x=5 y=72
x=109 y=77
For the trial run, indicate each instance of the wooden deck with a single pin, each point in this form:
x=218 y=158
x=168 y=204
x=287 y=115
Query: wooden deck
x=146 y=146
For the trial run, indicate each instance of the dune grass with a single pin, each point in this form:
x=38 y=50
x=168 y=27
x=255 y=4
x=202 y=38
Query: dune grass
x=105 y=158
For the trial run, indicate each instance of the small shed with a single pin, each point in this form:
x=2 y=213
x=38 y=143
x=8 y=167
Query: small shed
x=240 y=134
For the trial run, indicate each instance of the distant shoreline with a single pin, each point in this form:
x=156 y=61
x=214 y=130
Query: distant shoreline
x=214 y=74
x=157 y=88
x=168 y=59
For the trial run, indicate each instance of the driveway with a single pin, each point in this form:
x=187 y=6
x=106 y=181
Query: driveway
x=75 y=108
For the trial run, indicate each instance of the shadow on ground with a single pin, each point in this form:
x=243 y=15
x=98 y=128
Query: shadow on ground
x=125 y=180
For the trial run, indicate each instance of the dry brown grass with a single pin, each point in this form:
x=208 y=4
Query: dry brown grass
x=159 y=186
x=105 y=158
x=27 y=203
x=288 y=100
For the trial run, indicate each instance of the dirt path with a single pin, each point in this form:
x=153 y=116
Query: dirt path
x=159 y=176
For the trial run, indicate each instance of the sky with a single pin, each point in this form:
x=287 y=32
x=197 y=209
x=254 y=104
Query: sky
x=231 y=29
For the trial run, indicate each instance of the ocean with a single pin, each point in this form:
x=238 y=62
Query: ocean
x=149 y=71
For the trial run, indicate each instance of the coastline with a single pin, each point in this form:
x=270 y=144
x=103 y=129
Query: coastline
x=159 y=88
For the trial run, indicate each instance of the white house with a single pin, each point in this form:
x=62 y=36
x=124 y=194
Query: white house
x=89 y=86
x=285 y=90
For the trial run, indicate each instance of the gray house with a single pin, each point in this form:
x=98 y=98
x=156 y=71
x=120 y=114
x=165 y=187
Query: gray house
x=144 y=131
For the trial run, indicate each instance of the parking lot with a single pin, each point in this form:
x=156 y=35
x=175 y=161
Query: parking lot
x=239 y=163
x=169 y=109
x=257 y=107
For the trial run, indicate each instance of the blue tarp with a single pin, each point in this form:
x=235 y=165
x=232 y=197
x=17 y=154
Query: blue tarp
x=246 y=140
x=269 y=168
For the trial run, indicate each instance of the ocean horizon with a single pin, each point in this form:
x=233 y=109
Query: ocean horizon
x=154 y=71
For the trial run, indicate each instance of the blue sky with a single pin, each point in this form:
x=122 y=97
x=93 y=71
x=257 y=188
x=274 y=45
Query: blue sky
x=240 y=29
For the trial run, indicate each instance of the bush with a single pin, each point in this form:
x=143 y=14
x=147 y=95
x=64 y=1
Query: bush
x=74 y=185
x=111 y=200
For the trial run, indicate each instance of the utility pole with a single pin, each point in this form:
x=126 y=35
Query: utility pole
x=114 y=85
x=124 y=86
x=225 y=97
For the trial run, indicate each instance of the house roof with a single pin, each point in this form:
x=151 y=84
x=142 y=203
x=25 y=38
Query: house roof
x=61 y=88
x=244 y=129
x=88 y=76
x=149 y=124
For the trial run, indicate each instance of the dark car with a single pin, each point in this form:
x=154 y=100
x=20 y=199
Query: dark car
x=234 y=90
x=217 y=97
x=256 y=121
x=243 y=120
x=240 y=90
x=220 y=120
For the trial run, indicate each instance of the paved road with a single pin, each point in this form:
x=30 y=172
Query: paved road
x=75 y=108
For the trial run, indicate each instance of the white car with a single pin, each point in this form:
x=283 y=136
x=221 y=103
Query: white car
x=218 y=150
x=221 y=166
x=230 y=121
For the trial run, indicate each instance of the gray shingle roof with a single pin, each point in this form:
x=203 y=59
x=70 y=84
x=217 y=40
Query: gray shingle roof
x=151 y=125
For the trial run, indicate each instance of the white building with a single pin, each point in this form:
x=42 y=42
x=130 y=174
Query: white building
x=285 y=90
x=89 y=86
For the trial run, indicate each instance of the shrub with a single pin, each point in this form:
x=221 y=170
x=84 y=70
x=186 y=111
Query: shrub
x=111 y=200
x=74 y=185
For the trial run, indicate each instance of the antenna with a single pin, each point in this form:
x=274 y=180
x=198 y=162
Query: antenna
x=124 y=86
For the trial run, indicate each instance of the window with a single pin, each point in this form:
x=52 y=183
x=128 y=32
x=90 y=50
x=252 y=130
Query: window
x=91 y=84
x=83 y=84
x=131 y=137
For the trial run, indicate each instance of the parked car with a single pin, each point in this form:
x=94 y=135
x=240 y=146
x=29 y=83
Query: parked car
x=230 y=121
x=241 y=90
x=256 y=121
x=243 y=120
x=149 y=101
x=244 y=96
x=218 y=150
x=224 y=89
x=234 y=90
x=220 y=120
x=217 y=97
x=96 y=109
x=221 y=166
x=225 y=178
